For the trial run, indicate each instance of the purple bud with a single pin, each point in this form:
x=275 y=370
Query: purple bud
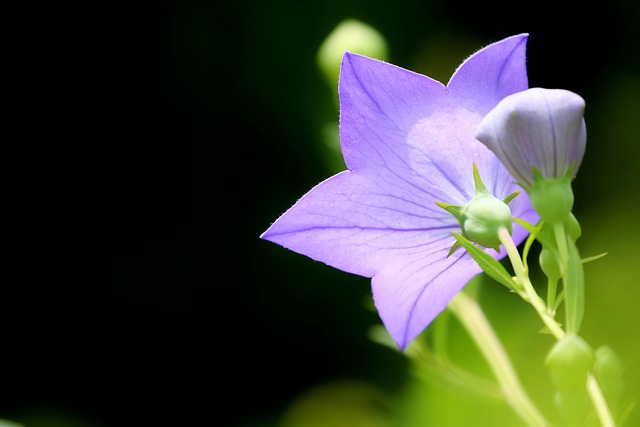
x=541 y=129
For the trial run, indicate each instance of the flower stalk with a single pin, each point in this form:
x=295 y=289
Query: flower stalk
x=599 y=402
x=530 y=295
x=471 y=316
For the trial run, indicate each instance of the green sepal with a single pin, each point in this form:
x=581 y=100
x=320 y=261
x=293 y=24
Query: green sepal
x=489 y=265
x=511 y=196
x=574 y=289
x=479 y=184
x=454 y=210
x=455 y=246
x=537 y=176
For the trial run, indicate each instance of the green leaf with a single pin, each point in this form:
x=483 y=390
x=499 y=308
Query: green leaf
x=525 y=250
x=574 y=289
x=593 y=258
x=533 y=229
x=536 y=230
x=489 y=265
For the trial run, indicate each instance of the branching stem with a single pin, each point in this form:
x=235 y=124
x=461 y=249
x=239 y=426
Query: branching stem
x=467 y=310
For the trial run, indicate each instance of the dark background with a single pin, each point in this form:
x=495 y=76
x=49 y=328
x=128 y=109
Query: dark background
x=149 y=145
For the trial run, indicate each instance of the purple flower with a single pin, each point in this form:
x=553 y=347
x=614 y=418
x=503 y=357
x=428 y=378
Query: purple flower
x=537 y=128
x=408 y=142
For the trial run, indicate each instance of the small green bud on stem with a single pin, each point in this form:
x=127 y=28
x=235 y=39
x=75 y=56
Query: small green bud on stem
x=609 y=372
x=569 y=363
x=549 y=264
x=552 y=199
x=482 y=217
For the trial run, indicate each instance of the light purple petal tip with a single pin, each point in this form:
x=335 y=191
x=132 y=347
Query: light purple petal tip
x=492 y=73
x=411 y=292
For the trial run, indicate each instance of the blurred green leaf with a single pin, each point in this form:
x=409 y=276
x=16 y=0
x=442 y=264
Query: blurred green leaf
x=574 y=289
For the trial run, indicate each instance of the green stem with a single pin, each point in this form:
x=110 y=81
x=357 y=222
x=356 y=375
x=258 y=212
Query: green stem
x=552 y=290
x=528 y=292
x=599 y=402
x=563 y=251
x=472 y=318
x=561 y=241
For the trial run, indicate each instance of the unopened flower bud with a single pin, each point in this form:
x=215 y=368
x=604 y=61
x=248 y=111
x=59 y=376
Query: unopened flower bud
x=608 y=370
x=552 y=199
x=537 y=128
x=353 y=36
x=573 y=227
x=549 y=264
x=481 y=219
x=569 y=362
x=573 y=404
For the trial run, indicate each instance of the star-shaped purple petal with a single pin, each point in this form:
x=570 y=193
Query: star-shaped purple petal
x=408 y=142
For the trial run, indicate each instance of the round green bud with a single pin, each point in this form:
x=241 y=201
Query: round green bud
x=481 y=219
x=350 y=35
x=573 y=404
x=609 y=372
x=573 y=227
x=549 y=264
x=552 y=199
x=569 y=362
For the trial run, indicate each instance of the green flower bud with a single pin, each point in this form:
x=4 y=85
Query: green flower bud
x=549 y=264
x=569 y=362
x=608 y=371
x=353 y=36
x=552 y=199
x=573 y=227
x=481 y=219
x=548 y=258
x=573 y=404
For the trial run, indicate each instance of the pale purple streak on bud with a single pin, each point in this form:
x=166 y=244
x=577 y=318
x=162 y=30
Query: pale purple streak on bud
x=537 y=128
